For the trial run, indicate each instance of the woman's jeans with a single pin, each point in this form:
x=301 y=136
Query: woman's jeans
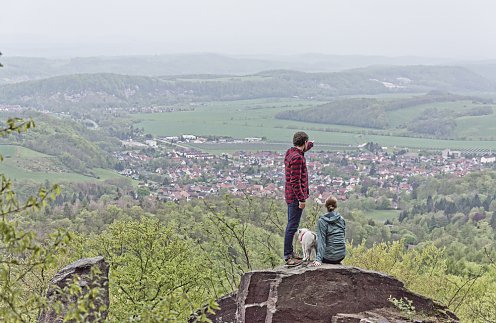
x=333 y=262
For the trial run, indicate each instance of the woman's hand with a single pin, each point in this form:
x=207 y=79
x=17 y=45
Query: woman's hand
x=315 y=264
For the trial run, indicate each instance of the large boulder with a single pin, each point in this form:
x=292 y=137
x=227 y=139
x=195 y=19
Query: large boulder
x=330 y=293
x=93 y=275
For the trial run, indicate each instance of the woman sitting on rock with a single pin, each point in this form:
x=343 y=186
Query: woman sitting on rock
x=331 y=243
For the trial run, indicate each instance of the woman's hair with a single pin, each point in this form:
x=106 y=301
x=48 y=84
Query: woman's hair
x=331 y=203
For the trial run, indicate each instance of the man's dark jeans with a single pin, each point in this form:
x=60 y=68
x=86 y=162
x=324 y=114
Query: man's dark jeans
x=294 y=216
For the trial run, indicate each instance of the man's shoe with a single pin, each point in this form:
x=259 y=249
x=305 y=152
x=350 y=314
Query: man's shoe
x=293 y=262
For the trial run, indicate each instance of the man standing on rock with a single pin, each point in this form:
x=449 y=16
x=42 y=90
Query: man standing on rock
x=296 y=191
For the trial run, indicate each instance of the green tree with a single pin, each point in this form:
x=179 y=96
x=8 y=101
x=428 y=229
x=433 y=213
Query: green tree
x=492 y=222
x=24 y=260
x=157 y=275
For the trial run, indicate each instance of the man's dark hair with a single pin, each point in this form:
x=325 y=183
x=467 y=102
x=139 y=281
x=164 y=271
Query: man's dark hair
x=300 y=138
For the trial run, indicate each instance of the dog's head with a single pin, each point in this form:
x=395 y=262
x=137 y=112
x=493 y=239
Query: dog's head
x=301 y=232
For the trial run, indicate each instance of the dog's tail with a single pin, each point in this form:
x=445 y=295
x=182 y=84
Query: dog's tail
x=314 y=240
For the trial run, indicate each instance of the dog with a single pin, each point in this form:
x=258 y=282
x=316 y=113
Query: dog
x=308 y=241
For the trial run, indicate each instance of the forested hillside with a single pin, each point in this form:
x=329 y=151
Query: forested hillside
x=442 y=245
x=77 y=148
x=25 y=68
x=450 y=257
x=176 y=238
x=113 y=90
x=433 y=114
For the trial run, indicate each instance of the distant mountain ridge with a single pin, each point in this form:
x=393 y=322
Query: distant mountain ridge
x=124 y=91
x=487 y=70
x=19 y=69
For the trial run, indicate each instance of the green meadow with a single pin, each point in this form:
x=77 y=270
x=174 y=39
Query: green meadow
x=218 y=148
x=255 y=118
x=476 y=127
x=21 y=163
x=402 y=116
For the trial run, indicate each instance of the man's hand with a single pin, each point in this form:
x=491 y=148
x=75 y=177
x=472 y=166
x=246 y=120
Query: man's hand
x=301 y=205
x=308 y=146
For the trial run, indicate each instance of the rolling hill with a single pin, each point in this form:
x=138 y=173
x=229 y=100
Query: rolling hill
x=64 y=146
x=19 y=69
x=114 y=90
x=435 y=114
x=24 y=164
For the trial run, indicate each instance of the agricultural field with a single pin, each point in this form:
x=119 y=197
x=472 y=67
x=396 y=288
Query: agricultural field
x=21 y=163
x=227 y=78
x=476 y=127
x=239 y=119
x=218 y=148
x=402 y=116
x=468 y=127
x=256 y=118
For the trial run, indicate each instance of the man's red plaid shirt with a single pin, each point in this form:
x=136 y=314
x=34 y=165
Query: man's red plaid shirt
x=295 y=165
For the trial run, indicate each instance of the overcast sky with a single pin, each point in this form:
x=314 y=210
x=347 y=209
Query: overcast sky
x=433 y=28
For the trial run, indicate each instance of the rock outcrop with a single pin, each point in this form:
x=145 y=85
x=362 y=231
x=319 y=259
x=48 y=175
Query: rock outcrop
x=92 y=273
x=331 y=293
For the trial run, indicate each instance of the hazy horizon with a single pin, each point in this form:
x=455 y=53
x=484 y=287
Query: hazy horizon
x=441 y=29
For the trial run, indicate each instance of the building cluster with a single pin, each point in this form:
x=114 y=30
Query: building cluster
x=169 y=172
x=11 y=108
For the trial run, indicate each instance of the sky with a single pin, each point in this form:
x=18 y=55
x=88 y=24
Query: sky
x=426 y=28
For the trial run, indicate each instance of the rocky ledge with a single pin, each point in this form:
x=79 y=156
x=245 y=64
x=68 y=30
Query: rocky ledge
x=330 y=293
x=93 y=275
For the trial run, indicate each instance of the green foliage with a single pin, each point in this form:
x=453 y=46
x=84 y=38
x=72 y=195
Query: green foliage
x=167 y=265
x=405 y=306
x=16 y=125
x=84 y=301
x=455 y=213
x=481 y=299
x=432 y=121
x=353 y=112
x=62 y=149
x=424 y=271
x=23 y=259
x=74 y=146
x=22 y=273
x=157 y=275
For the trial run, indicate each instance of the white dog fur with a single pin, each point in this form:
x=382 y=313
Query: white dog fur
x=308 y=241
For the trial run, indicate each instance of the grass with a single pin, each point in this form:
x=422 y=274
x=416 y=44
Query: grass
x=250 y=118
x=217 y=148
x=255 y=118
x=477 y=127
x=469 y=127
x=403 y=116
x=25 y=164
